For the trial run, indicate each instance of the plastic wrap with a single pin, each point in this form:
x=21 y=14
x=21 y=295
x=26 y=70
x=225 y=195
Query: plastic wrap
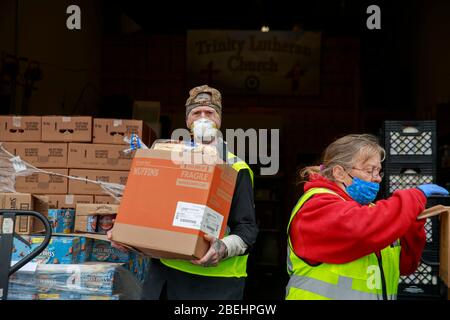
x=135 y=143
x=10 y=168
x=75 y=251
x=89 y=281
x=60 y=250
x=13 y=166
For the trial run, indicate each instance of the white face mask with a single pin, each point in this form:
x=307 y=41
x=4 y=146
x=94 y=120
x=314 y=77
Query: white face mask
x=204 y=130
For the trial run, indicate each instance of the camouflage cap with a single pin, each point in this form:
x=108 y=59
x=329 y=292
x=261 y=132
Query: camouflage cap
x=196 y=99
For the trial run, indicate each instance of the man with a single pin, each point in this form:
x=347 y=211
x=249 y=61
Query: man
x=221 y=273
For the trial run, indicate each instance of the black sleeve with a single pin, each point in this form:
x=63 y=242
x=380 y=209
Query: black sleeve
x=242 y=220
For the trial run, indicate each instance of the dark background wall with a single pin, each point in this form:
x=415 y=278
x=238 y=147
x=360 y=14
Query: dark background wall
x=136 y=50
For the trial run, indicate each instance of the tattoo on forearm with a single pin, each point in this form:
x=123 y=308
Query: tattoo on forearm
x=221 y=249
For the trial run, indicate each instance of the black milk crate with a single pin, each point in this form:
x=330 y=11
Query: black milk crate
x=422 y=284
x=410 y=141
x=408 y=175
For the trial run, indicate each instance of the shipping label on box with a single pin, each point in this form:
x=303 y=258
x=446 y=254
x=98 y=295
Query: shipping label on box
x=41 y=155
x=43 y=183
x=20 y=128
x=24 y=201
x=68 y=201
x=167 y=207
x=66 y=129
x=86 y=187
x=113 y=131
x=99 y=156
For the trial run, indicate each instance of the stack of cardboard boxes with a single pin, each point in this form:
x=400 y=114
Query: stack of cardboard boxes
x=104 y=159
x=77 y=146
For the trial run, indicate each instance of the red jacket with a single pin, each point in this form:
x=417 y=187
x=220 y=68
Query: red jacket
x=329 y=230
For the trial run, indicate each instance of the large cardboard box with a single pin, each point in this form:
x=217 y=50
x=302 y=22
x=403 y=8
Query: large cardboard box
x=43 y=183
x=27 y=202
x=105 y=200
x=113 y=131
x=99 y=156
x=85 y=187
x=167 y=207
x=66 y=129
x=444 y=254
x=18 y=128
x=68 y=201
x=83 y=211
x=40 y=154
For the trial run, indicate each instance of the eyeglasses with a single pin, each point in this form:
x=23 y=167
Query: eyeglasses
x=375 y=172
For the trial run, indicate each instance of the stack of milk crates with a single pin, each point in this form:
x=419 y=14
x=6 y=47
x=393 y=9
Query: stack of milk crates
x=411 y=148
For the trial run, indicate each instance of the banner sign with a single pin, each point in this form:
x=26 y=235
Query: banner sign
x=275 y=62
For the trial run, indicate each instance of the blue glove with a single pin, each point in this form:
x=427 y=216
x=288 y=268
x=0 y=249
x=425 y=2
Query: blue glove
x=432 y=189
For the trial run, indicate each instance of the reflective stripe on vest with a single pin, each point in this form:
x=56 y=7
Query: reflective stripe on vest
x=230 y=267
x=356 y=280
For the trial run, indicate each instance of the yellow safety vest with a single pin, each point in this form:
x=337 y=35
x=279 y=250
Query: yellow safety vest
x=230 y=267
x=367 y=278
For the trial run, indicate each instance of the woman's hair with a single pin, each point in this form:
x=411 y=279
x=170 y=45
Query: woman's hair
x=343 y=152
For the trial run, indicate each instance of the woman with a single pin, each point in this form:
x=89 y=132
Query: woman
x=340 y=244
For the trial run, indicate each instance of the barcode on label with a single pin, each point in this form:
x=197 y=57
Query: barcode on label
x=187 y=220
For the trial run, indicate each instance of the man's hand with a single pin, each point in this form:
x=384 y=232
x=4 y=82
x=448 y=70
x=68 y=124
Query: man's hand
x=115 y=244
x=217 y=251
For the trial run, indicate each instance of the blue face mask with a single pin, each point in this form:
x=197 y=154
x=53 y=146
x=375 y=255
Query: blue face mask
x=363 y=192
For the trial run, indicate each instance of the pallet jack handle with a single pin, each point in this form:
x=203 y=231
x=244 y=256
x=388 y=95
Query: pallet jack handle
x=7 y=236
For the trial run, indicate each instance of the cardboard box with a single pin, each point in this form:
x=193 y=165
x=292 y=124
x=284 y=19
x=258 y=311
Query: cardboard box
x=28 y=202
x=113 y=131
x=444 y=256
x=167 y=207
x=105 y=200
x=103 y=251
x=83 y=211
x=43 y=183
x=40 y=154
x=99 y=156
x=66 y=129
x=18 y=128
x=60 y=250
x=61 y=220
x=68 y=201
x=85 y=187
